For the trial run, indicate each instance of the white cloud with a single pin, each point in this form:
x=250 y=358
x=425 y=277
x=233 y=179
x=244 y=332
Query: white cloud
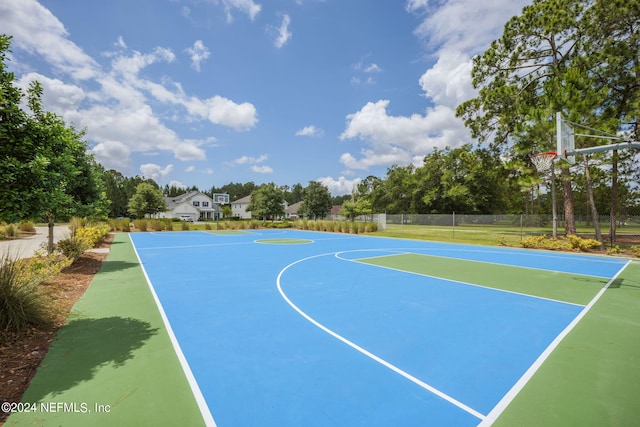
x=36 y=30
x=370 y=158
x=372 y=68
x=57 y=96
x=254 y=162
x=120 y=43
x=198 y=53
x=416 y=5
x=248 y=160
x=190 y=168
x=248 y=7
x=115 y=104
x=309 y=131
x=129 y=66
x=400 y=139
x=456 y=30
x=262 y=169
x=188 y=150
x=340 y=186
x=283 y=35
x=155 y=172
x=364 y=73
x=225 y=112
x=177 y=184
x=448 y=82
x=112 y=154
x=464 y=25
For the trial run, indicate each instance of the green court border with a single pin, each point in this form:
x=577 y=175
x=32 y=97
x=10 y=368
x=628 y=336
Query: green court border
x=115 y=351
x=592 y=378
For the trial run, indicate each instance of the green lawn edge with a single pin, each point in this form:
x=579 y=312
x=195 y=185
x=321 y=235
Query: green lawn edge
x=114 y=351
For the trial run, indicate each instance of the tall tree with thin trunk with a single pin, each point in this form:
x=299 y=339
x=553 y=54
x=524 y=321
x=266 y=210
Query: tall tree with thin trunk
x=521 y=80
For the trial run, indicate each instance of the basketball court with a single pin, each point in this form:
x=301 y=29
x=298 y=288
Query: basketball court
x=280 y=328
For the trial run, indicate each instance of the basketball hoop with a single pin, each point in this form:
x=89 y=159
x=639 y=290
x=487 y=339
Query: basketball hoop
x=543 y=161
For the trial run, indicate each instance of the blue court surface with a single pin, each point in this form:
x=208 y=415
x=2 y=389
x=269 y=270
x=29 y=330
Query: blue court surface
x=309 y=335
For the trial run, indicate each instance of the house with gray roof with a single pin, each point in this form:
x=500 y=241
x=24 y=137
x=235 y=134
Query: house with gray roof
x=239 y=208
x=191 y=206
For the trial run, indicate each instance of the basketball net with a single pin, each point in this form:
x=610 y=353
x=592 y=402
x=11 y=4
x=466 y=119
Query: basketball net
x=543 y=161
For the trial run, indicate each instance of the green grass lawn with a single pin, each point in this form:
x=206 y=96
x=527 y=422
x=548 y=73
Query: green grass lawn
x=508 y=235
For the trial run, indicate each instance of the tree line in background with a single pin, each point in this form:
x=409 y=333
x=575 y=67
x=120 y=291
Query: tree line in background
x=579 y=57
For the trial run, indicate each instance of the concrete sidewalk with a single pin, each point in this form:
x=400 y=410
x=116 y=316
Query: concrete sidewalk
x=27 y=246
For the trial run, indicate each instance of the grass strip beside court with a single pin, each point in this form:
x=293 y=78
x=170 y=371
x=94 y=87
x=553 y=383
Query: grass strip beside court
x=540 y=283
x=114 y=355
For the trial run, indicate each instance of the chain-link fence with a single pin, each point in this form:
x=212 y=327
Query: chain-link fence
x=498 y=227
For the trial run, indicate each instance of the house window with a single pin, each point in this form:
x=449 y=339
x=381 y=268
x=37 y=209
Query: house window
x=195 y=203
x=205 y=204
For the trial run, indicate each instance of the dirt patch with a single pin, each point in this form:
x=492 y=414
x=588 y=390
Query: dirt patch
x=21 y=356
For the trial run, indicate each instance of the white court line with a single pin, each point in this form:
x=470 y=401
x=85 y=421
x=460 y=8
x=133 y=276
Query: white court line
x=518 y=386
x=366 y=352
x=195 y=389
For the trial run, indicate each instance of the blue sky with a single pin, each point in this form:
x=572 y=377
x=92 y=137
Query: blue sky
x=206 y=92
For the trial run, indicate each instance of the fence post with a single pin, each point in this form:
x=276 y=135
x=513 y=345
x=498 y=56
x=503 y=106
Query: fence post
x=521 y=227
x=453 y=226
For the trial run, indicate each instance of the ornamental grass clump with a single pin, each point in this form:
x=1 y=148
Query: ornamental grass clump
x=23 y=301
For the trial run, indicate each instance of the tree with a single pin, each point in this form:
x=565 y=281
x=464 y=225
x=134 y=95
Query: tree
x=267 y=201
x=351 y=209
x=371 y=189
x=114 y=183
x=43 y=161
x=522 y=78
x=611 y=46
x=147 y=200
x=316 y=200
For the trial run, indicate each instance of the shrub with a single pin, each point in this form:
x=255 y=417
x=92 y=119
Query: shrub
x=532 y=241
x=114 y=224
x=635 y=251
x=207 y=226
x=10 y=230
x=22 y=300
x=141 y=224
x=73 y=247
x=584 y=245
x=185 y=226
x=93 y=234
x=125 y=225
x=168 y=224
x=156 y=224
x=614 y=250
x=570 y=243
x=27 y=226
x=75 y=224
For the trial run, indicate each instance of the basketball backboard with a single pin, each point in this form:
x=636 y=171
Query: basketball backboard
x=565 y=139
x=221 y=199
